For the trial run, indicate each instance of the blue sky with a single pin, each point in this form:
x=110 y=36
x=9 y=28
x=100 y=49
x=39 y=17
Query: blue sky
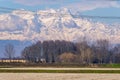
x=87 y=7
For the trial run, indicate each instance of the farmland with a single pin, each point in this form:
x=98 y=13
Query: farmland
x=58 y=76
x=60 y=70
x=54 y=73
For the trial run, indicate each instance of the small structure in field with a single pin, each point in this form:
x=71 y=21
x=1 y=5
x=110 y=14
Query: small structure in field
x=42 y=60
x=14 y=60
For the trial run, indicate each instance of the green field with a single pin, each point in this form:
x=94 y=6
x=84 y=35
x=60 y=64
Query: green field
x=110 y=65
x=12 y=65
x=57 y=71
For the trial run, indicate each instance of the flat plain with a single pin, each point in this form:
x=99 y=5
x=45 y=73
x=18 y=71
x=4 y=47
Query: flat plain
x=58 y=76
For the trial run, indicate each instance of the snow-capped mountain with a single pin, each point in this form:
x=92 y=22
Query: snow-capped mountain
x=53 y=25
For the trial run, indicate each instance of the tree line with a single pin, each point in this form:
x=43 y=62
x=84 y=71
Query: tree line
x=81 y=52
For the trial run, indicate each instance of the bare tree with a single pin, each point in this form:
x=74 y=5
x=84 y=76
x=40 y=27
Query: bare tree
x=83 y=51
x=25 y=53
x=67 y=58
x=33 y=52
x=88 y=55
x=115 y=58
x=102 y=50
x=9 y=51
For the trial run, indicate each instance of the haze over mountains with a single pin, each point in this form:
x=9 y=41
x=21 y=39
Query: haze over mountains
x=22 y=25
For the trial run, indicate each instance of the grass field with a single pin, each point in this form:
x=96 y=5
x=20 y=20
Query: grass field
x=56 y=71
x=58 y=68
x=12 y=65
x=110 y=65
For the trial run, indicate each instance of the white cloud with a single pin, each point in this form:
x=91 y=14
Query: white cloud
x=85 y=5
x=81 y=5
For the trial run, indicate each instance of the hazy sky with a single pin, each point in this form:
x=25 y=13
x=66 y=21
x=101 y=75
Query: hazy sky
x=89 y=7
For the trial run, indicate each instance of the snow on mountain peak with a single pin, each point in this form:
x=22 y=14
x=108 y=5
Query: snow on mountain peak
x=53 y=25
x=64 y=11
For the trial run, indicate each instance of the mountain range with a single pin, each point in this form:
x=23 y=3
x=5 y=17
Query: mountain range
x=60 y=24
x=53 y=25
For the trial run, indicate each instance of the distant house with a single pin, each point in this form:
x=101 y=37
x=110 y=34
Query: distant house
x=42 y=60
x=14 y=60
